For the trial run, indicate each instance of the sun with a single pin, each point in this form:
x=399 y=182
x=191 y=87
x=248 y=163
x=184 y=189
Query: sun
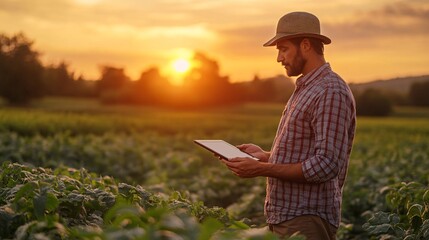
x=181 y=65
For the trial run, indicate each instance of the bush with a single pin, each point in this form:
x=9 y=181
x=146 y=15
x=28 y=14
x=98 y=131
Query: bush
x=418 y=94
x=373 y=102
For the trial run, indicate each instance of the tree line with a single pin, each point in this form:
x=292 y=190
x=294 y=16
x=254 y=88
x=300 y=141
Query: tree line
x=23 y=78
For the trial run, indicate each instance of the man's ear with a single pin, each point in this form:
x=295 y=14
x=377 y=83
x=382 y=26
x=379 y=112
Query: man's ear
x=305 y=45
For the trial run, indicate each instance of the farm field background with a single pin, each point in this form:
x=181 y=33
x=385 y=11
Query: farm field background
x=153 y=148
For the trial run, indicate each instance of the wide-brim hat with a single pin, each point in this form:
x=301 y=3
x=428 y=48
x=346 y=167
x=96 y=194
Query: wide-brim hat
x=297 y=24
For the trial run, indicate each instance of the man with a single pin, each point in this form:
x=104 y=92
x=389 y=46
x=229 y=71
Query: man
x=307 y=165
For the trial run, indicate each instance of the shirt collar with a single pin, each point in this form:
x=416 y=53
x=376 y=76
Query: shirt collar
x=304 y=80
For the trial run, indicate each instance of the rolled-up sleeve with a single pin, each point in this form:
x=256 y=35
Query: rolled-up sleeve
x=331 y=117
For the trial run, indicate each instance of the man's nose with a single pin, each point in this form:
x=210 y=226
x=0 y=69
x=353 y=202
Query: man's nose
x=279 y=57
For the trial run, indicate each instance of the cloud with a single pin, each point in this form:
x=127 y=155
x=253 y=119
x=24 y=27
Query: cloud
x=405 y=9
x=393 y=20
x=245 y=40
x=396 y=19
x=194 y=31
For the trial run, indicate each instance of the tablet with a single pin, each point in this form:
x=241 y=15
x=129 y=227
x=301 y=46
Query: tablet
x=224 y=149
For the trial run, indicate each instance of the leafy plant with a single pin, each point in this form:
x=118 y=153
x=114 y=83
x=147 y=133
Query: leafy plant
x=39 y=203
x=409 y=213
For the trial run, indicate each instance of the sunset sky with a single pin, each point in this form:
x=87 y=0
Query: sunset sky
x=370 y=39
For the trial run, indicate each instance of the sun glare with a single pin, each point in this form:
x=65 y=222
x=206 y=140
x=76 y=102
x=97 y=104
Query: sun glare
x=181 y=65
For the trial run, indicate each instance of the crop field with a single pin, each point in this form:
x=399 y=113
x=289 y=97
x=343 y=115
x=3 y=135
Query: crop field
x=75 y=169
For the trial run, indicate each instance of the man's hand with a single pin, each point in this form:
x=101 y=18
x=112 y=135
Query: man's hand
x=245 y=167
x=255 y=151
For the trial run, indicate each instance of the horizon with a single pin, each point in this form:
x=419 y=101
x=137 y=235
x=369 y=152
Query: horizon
x=371 y=41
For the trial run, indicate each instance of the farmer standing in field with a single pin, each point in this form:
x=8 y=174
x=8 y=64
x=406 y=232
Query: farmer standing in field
x=307 y=165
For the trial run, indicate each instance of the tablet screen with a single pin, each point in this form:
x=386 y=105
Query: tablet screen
x=223 y=149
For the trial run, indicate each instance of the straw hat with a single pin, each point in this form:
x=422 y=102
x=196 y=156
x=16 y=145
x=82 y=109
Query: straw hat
x=297 y=24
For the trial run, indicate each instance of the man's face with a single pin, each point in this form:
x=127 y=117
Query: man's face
x=290 y=56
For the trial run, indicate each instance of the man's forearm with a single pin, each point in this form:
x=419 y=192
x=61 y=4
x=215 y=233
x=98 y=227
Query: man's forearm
x=288 y=172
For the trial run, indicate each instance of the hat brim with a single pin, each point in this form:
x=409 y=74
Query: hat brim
x=283 y=36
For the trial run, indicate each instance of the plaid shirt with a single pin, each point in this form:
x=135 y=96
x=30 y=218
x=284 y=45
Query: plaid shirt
x=316 y=129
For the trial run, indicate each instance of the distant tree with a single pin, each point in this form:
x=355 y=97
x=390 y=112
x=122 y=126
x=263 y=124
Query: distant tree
x=84 y=87
x=397 y=98
x=151 y=79
x=150 y=88
x=112 y=79
x=261 y=90
x=372 y=102
x=204 y=84
x=205 y=72
x=59 y=81
x=418 y=94
x=274 y=89
x=20 y=70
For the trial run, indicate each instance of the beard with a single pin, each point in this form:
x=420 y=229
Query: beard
x=297 y=65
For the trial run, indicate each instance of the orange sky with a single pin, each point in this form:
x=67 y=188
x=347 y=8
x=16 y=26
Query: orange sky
x=370 y=39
